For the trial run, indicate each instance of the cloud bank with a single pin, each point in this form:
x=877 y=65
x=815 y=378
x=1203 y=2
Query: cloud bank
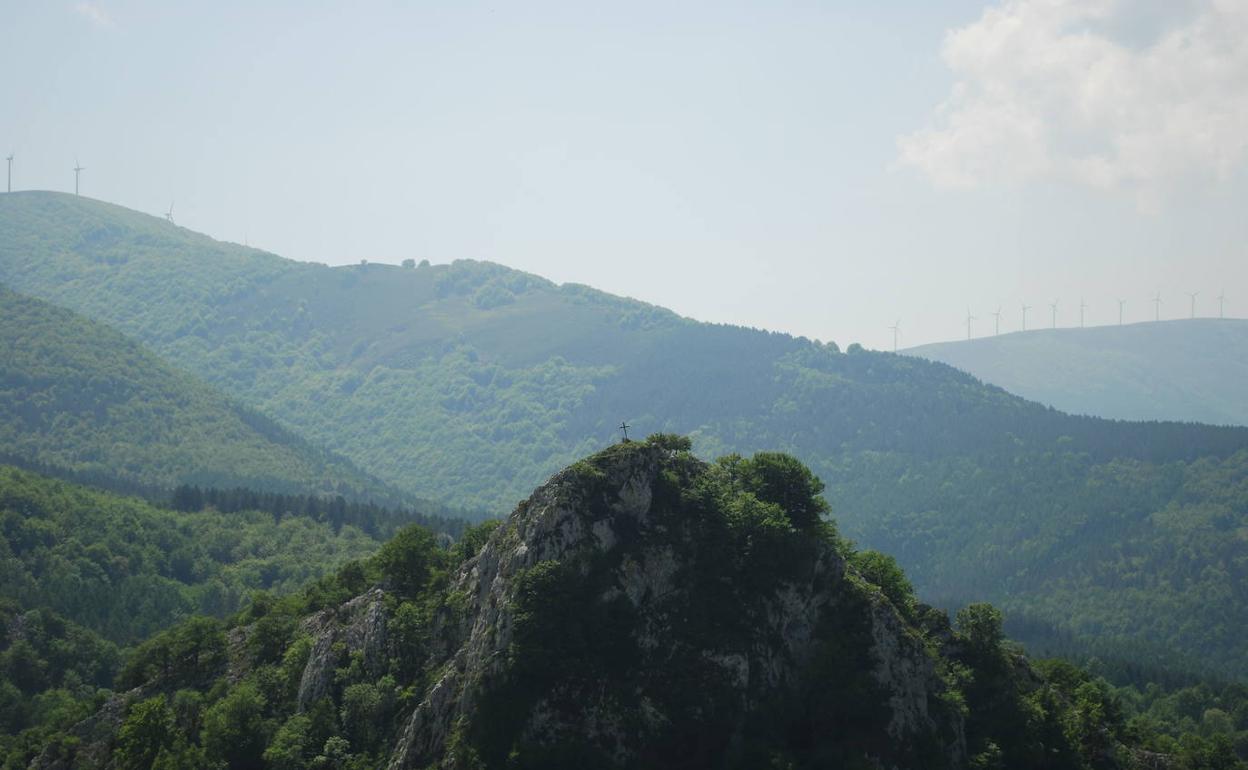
x=1056 y=90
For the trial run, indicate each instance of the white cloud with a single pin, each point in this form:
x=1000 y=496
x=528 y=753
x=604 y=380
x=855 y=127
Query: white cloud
x=1045 y=90
x=94 y=13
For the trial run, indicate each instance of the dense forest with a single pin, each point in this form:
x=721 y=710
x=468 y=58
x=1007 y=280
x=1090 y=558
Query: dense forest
x=295 y=682
x=471 y=383
x=75 y=394
x=1193 y=369
x=86 y=574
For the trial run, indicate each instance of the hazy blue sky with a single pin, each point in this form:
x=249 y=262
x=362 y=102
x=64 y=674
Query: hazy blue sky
x=818 y=168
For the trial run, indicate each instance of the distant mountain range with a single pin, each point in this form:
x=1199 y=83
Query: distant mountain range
x=1192 y=370
x=471 y=383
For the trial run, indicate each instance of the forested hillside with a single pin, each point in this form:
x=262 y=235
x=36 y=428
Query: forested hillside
x=78 y=395
x=1191 y=370
x=471 y=382
x=85 y=574
x=643 y=609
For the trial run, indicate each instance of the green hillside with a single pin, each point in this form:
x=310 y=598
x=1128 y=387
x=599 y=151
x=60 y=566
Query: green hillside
x=1192 y=370
x=687 y=615
x=471 y=383
x=84 y=573
x=77 y=395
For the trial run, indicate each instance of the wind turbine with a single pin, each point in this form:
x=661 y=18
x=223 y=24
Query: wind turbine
x=896 y=331
x=1222 y=305
x=1121 y=304
x=78 y=169
x=1082 y=307
x=169 y=213
x=1026 y=307
x=969 y=318
x=1053 y=305
x=1157 y=307
x=10 y=160
x=996 y=321
x=1192 y=295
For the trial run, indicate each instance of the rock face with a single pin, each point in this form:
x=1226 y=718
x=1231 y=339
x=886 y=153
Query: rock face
x=613 y=622
x=358 y=626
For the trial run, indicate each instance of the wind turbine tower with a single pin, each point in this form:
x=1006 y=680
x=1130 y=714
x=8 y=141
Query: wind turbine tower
x=1053 y=305
x=969 y=318
x=169 y=213
x=1026 y=307
x=1192 y=295
x=1222 y=305
x=1157 y=307
x=1082 y=307
x=896 y=328
x=78 y=169
x=10 y=160
x=1121 y=304
x=996 y=321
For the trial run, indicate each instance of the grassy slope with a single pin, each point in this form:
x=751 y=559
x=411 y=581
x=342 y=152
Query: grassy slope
x=1174 y=370
x=472 y=382
x=78 y=395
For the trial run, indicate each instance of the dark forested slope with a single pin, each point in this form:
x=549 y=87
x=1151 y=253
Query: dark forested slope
x=77 y=395
x=1174 y=370
x=472 y=382
x=643 y=609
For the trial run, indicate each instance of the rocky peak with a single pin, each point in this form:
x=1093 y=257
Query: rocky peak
x=627 y=613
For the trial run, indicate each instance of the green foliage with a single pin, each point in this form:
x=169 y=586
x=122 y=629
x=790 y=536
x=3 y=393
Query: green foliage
x=782 y=479
x=102 y=569
x=1103 y=533
x=405 y=559
x=883 y=570
x=79 y=396
x=575 y=643
x=981 y=624
x=1083 y=524
x=473 y=540
x=186 y=654
x=235 y=730
x=148 y=731
x=125 y=568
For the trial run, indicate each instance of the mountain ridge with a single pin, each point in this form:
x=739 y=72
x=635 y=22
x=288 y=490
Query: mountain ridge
x=475 y=382
x=1183 y=370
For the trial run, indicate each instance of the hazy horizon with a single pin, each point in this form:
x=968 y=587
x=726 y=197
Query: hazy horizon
x=819 y=171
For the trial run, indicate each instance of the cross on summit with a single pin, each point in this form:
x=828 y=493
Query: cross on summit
x=624 y=427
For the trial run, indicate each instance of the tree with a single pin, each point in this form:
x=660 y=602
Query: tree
x=885 y=572
x=981 y=623
x=782 y=479
x=234 y=728
x=409 y=263
x=291 y=747
x=406 y=558
x=149 y=728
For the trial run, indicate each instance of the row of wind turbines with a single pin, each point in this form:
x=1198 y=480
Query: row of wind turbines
x=1083 y=307
x=78 y=169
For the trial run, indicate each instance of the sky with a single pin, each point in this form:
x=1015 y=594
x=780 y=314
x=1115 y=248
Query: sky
x=825 y=169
